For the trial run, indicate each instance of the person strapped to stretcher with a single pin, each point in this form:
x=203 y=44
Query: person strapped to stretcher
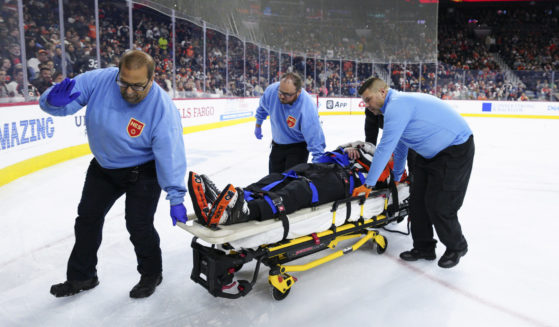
x=338 y=175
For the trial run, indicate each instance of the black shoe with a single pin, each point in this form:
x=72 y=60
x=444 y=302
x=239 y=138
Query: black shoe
x=451 y=258
x=146 y=286
x=415 y=254
x=238 y=211
x=71 y=287
x=229 y=208
x=197 y=194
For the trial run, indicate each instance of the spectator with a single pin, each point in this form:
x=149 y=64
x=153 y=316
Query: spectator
x=87 y=60
x=12 y=87
x=42 y=58
x=71 y=55
x=258 y=90
x=57 y=77
x=57 y=59
x=4 y=93
x=31 y=49
x=50 y=65
x=33 y=64
x=7 y=66
x=4 y=37
x=163 y=43
x=14 y=53
x=16 y=86
x=45 y=79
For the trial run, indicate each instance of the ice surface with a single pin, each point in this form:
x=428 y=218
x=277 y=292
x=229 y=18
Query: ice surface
x=508 y=278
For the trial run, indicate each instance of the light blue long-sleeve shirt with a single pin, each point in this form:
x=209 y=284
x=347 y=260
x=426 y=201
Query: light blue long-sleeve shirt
x=113 y=128
x=419 y=121
x=292 y=123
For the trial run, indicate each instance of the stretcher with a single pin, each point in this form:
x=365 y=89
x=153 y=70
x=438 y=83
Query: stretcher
x=270 y=242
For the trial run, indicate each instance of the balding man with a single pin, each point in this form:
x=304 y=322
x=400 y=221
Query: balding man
x=296 y=129
x=441 y=170
x=135 y=135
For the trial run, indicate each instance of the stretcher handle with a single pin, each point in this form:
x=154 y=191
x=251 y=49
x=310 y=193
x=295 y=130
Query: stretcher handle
x=360 y=198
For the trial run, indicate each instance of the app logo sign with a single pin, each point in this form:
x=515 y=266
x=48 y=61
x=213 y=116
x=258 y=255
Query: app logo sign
x=332 y=104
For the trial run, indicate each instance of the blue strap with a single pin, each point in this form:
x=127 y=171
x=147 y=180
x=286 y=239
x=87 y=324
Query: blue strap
x=248 y=195
x=271 y=204
x=361 y=177
x=340 y=158
x=314 y=192
x=290 y=173
x=293 y=174
x=272 y=185
x=351 y=184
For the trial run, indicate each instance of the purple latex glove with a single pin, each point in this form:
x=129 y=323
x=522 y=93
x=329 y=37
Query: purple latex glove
x=59 y=95
x=178 y=213
x=258 y=132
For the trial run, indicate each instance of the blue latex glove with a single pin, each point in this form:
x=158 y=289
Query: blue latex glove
x=178 y=213
x=59 y=95
x=258 y=132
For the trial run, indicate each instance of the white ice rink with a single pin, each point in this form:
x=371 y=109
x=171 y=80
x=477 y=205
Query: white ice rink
x=510 y=276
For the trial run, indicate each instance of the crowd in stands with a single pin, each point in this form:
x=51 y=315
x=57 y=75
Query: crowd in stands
x=523 y=36
x=475 y=50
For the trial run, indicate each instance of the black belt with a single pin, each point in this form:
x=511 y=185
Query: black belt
x=289 y=145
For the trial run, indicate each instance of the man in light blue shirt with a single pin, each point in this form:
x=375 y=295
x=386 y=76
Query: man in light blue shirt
x=441 y=170
x=296 y=129
x=135 y=134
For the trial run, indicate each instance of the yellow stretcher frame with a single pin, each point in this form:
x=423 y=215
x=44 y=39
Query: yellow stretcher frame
x=214 y=269
x=282 y=281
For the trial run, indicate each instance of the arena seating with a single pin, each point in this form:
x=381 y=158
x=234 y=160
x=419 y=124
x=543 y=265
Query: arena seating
x=503 y=52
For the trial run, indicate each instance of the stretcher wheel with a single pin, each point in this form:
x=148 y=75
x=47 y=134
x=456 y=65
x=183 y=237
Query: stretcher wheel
x=380 y=249
x=278 y=295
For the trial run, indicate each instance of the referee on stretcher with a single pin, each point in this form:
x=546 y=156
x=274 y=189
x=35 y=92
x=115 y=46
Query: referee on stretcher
x=296 y=129
x=445 y=149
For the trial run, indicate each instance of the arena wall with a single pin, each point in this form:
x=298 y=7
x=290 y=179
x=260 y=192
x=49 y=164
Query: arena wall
x=31 y=139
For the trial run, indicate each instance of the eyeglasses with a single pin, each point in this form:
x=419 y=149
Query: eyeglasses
x=135 y=87
x=285 y=94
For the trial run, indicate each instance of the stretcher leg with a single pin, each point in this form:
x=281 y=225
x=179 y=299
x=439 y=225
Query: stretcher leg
x=381 y=242
x=281 y=283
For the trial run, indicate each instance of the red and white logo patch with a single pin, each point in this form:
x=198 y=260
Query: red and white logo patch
x=291 y=121
x=135 y=127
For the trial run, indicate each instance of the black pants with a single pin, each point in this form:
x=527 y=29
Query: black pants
x=285 y=156
x=330 y=180
x=372 y=125
x=101 y=189
x=437 y=192
x=411 y=163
